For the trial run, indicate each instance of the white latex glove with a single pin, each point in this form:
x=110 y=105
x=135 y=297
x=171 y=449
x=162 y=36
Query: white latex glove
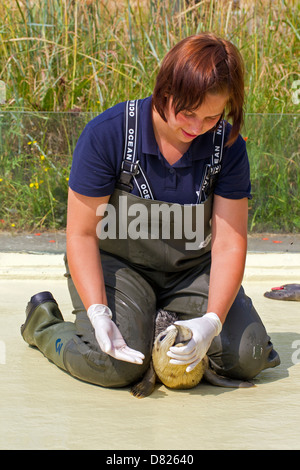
x=204 y=329
x=109 y=337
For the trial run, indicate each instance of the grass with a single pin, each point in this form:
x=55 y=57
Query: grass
x=273 y=148
x=64 y=61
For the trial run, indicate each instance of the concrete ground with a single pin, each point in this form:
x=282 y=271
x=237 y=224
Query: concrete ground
x=54 y=242
x=42 y=407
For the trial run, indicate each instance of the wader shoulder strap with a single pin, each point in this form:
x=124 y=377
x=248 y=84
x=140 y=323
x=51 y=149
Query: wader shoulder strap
x=212 y=169
x=130 y=167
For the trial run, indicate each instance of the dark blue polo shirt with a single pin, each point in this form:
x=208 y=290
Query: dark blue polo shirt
x=99 y=151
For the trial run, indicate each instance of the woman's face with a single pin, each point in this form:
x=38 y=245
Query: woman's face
x=186 y=125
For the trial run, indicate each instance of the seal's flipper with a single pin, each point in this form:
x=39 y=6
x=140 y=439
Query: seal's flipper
x=146 y=386
x=214 y=379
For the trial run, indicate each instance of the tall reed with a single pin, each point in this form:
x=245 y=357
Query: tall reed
x=82 y=56
x=59 y=54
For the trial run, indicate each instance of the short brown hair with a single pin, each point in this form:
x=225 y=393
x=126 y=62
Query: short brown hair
x=197 y=65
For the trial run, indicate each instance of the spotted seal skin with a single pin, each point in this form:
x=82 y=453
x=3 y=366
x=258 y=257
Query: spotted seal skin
x=172 y=375
x=285 y=292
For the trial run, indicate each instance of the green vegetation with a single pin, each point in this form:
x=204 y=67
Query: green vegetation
x=64 y=61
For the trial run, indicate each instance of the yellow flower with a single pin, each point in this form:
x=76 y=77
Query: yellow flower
x=42 y=157
x=1 y=179
x=46 y=169
x=67 y=179
x=31 y=185
x=13 y=225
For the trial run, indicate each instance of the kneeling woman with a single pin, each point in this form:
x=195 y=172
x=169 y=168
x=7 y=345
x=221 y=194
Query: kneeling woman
x=155 y=173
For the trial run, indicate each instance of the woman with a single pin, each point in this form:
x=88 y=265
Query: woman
x=158 y=172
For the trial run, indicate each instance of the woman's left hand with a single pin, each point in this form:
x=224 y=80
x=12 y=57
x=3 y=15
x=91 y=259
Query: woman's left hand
x=204 y=329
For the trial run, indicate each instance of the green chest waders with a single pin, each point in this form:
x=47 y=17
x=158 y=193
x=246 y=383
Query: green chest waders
x=157 y=255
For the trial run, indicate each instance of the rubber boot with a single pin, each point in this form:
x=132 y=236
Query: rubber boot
x=46 y=329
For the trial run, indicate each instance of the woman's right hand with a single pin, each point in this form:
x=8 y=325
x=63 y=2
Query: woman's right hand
x=86 y=270
x=109 y=336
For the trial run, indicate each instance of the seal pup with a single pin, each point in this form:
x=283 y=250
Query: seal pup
x=172 y=375
x=285 y=292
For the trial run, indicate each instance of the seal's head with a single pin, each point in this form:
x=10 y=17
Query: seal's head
x=173 y=375
x=285 y=292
